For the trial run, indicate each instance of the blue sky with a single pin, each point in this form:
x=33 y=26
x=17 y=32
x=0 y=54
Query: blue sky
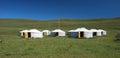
x=52 y=9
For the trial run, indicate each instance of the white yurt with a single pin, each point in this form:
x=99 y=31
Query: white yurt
x=70 y=32
x=80 y=32
x=34 y=33
x=23 y=33
x=73 y=33
x=58 y=32
x=96 y=32
x=46 y=32
x=103 y=32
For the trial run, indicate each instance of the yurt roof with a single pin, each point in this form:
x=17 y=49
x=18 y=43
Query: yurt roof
x=94 y=30
x=45 y=31
x=81 y=29
x=34 y=30
x=57 y=30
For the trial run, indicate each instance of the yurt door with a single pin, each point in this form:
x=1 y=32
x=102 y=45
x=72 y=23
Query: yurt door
x=94 y=33
x=29 y=34
x=81 y=34
x=56 y=34
x=102 y=33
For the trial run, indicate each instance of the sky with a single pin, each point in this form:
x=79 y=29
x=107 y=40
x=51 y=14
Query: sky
x=54 y=9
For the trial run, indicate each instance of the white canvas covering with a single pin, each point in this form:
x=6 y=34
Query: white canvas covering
x=100 y=32
x=95 y=30
x=36 y=33
x=81 y=29
x=103 y=32
x=60 y=32
x=46 y=31
x=87 y=33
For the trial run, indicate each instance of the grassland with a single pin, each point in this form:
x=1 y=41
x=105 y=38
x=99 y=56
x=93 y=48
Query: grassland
x=13 y=46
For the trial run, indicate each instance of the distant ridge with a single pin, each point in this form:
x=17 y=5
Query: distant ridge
x=64 y=19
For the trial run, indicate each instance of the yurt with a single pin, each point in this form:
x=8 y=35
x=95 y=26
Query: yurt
x=73 y=33
x=80 y=32
x=100 y=32
x=103 y=32
x=46 y=32
x=70 y=33
x=24 y=33
x=34 y=33
x=96 y=32
x=58 y=32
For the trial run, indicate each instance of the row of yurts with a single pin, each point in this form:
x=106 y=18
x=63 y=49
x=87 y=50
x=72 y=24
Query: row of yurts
x=77 y=33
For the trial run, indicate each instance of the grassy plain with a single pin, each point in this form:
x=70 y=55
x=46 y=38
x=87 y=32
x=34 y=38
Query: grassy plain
x=13 y=46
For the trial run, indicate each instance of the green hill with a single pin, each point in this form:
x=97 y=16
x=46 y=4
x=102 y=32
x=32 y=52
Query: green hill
x=59 y=47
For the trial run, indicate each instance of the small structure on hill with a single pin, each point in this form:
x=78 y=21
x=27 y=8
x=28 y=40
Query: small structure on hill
x=58 y=32
x=80 y=33
x=46 y=32
x=95 y=32
x=32 y=33
x=98 y=32
x=103 y=32
x=70 y=33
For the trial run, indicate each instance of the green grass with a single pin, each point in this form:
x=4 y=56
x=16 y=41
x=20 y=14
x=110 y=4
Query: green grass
x=13 y=46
